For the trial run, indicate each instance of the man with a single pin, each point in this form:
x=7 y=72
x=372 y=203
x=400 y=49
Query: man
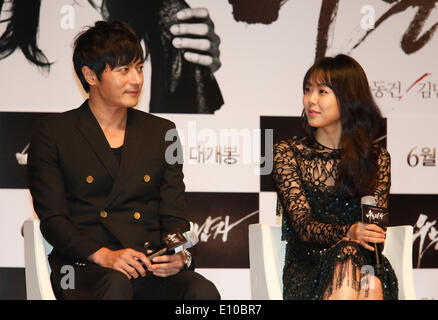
x=181 y=42
x=184 y=51
x=102 y=186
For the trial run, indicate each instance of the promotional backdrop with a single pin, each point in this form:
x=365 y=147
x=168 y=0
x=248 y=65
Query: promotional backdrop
x=266 y=47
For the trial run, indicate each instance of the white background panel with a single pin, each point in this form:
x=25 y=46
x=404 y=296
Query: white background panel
x=426 y=283
x=15 y=207
x=204 y=173
x=412 y=133
x=263 y=65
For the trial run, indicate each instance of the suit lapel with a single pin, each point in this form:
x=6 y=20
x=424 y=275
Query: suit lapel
x=131 y=152
x=93 y=134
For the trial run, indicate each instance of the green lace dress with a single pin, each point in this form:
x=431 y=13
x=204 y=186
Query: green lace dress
x=315 y=219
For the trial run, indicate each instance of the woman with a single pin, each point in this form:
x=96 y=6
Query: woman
x=320 y=179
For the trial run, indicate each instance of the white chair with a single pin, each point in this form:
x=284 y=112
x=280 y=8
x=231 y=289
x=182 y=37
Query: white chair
x=37 y=269
x=266 y=258
x=398 y=250
x=266 y=261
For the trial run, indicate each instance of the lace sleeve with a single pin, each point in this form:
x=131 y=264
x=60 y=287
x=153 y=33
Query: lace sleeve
x=293 y=199
x=383 y=179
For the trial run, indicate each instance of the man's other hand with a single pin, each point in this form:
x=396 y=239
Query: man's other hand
x=128 y=261
x=167 y=265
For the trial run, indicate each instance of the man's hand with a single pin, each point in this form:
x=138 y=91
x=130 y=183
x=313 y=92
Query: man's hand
x=167 y=265
x=125 y=261
x=206 y=40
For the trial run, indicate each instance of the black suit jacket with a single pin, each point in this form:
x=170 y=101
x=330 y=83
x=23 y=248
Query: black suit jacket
x=86 y=201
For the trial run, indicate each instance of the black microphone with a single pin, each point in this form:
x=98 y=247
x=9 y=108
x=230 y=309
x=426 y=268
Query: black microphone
x=373 y=214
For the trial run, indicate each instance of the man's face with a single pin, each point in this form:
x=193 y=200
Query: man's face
x=121 y=86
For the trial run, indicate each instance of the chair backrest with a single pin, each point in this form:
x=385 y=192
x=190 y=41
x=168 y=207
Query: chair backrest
x=279 y=251
x=267 y=252
x=266 y=255
x=398 y=250
x=37 y=269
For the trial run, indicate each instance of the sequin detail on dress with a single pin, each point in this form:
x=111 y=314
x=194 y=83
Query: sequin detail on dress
x=315 y=218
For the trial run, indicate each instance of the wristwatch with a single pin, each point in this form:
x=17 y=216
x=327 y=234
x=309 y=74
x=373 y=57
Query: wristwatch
x=188 y=260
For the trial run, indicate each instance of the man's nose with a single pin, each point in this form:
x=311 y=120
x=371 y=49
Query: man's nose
x=136 y=77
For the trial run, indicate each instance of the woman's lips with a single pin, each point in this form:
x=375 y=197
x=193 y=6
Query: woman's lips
x=313 y=113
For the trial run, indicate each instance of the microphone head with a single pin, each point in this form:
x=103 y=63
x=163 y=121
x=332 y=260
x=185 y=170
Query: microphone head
x=369 y=200
x=192 y=239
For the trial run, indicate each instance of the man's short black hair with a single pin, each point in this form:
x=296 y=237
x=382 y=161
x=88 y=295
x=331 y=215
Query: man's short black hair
x=106 y=43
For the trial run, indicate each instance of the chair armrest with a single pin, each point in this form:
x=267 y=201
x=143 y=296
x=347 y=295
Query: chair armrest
x=398 y=250
x=266 y=262
x=38 y=285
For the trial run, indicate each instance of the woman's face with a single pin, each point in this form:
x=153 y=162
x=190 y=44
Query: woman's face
x=321 y=106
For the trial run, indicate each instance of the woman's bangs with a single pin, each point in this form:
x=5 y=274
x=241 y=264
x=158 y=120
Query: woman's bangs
x=318 y=77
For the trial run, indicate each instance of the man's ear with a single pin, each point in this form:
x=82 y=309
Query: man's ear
x=90 y=76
